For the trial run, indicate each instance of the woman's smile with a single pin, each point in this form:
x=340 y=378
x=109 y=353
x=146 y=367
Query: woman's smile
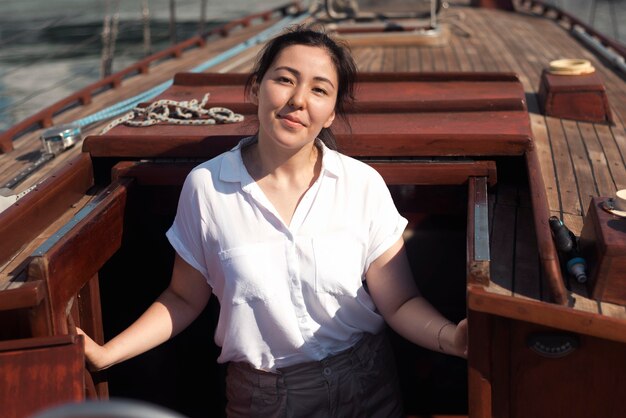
x=291 y=121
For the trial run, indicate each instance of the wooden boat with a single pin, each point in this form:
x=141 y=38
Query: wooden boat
x=480 y=145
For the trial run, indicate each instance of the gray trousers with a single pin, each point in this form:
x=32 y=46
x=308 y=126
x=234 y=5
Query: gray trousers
x=359 y=382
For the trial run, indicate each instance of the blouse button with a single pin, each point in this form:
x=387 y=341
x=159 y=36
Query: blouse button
x=327 y=371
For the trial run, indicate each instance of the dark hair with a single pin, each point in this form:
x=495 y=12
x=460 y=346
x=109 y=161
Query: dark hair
x=340 y=56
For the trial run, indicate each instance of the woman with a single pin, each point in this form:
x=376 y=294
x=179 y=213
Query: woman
x=302 y=247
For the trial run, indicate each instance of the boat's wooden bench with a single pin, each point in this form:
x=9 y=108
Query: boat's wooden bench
x=406 y=114
x=372 y=134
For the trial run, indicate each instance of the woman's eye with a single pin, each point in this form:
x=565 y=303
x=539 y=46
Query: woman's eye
x=284 y=80
x=320 y=90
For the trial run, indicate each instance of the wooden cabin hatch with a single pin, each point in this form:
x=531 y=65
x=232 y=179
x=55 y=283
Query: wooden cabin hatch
x=435 y=196
x=463 y=136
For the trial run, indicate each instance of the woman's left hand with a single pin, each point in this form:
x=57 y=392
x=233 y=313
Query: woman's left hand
x=460 y=338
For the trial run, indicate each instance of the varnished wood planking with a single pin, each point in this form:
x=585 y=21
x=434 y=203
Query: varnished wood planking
x=618 y=132
x=426 y=59
x=599 y=163
x=466 y=46
x=414 y=59
x=614 y=156
x=402 y=58
x=583 y=173
x=489 y=44
x=476 y=24
x=567 y=189
x=451 y=59
x=460 y=52
x=517 y=42
x=544 y=152
x=373 y=61
x=440 y=62
x=389 y=59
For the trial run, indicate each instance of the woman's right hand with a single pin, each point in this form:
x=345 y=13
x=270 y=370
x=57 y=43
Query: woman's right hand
x=94 y=352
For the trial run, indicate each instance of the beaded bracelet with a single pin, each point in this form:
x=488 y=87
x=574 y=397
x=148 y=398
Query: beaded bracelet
x=439 y=335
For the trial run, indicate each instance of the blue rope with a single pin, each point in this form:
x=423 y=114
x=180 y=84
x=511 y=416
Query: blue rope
x=129 y=104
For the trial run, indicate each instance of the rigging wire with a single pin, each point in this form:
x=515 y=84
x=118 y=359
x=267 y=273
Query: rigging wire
x=145 y=21
x=110 y=28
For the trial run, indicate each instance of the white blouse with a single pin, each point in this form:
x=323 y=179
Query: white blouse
x=288 y=293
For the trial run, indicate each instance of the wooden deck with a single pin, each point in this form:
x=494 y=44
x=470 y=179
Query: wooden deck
x=505 y=297
x=579 y=160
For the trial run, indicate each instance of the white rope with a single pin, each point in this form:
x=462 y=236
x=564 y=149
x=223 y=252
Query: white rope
x=190 y=112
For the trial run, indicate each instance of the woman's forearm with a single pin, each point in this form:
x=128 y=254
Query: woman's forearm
x=182 y=301
x=418 y=321
x=166 y=317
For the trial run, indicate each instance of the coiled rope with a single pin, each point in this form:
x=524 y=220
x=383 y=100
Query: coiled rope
x=189 y=112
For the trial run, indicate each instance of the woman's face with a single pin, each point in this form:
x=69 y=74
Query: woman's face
x=296 y=97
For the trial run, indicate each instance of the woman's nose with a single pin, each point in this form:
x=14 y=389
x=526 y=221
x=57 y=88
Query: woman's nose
x=297 y=99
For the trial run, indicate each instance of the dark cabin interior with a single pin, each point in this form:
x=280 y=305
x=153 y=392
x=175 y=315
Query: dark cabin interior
x=183 y=374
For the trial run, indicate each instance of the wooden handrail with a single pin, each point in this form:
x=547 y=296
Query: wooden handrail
x=372 y=135
x=546 y=314
x=547 y=250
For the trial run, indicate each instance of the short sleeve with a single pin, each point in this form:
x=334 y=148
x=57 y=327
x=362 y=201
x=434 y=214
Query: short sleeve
x=386 y=223
x=187 y=234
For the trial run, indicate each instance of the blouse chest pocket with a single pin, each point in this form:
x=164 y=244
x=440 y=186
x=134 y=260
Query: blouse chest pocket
x=339 y=264
x=250 y=272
